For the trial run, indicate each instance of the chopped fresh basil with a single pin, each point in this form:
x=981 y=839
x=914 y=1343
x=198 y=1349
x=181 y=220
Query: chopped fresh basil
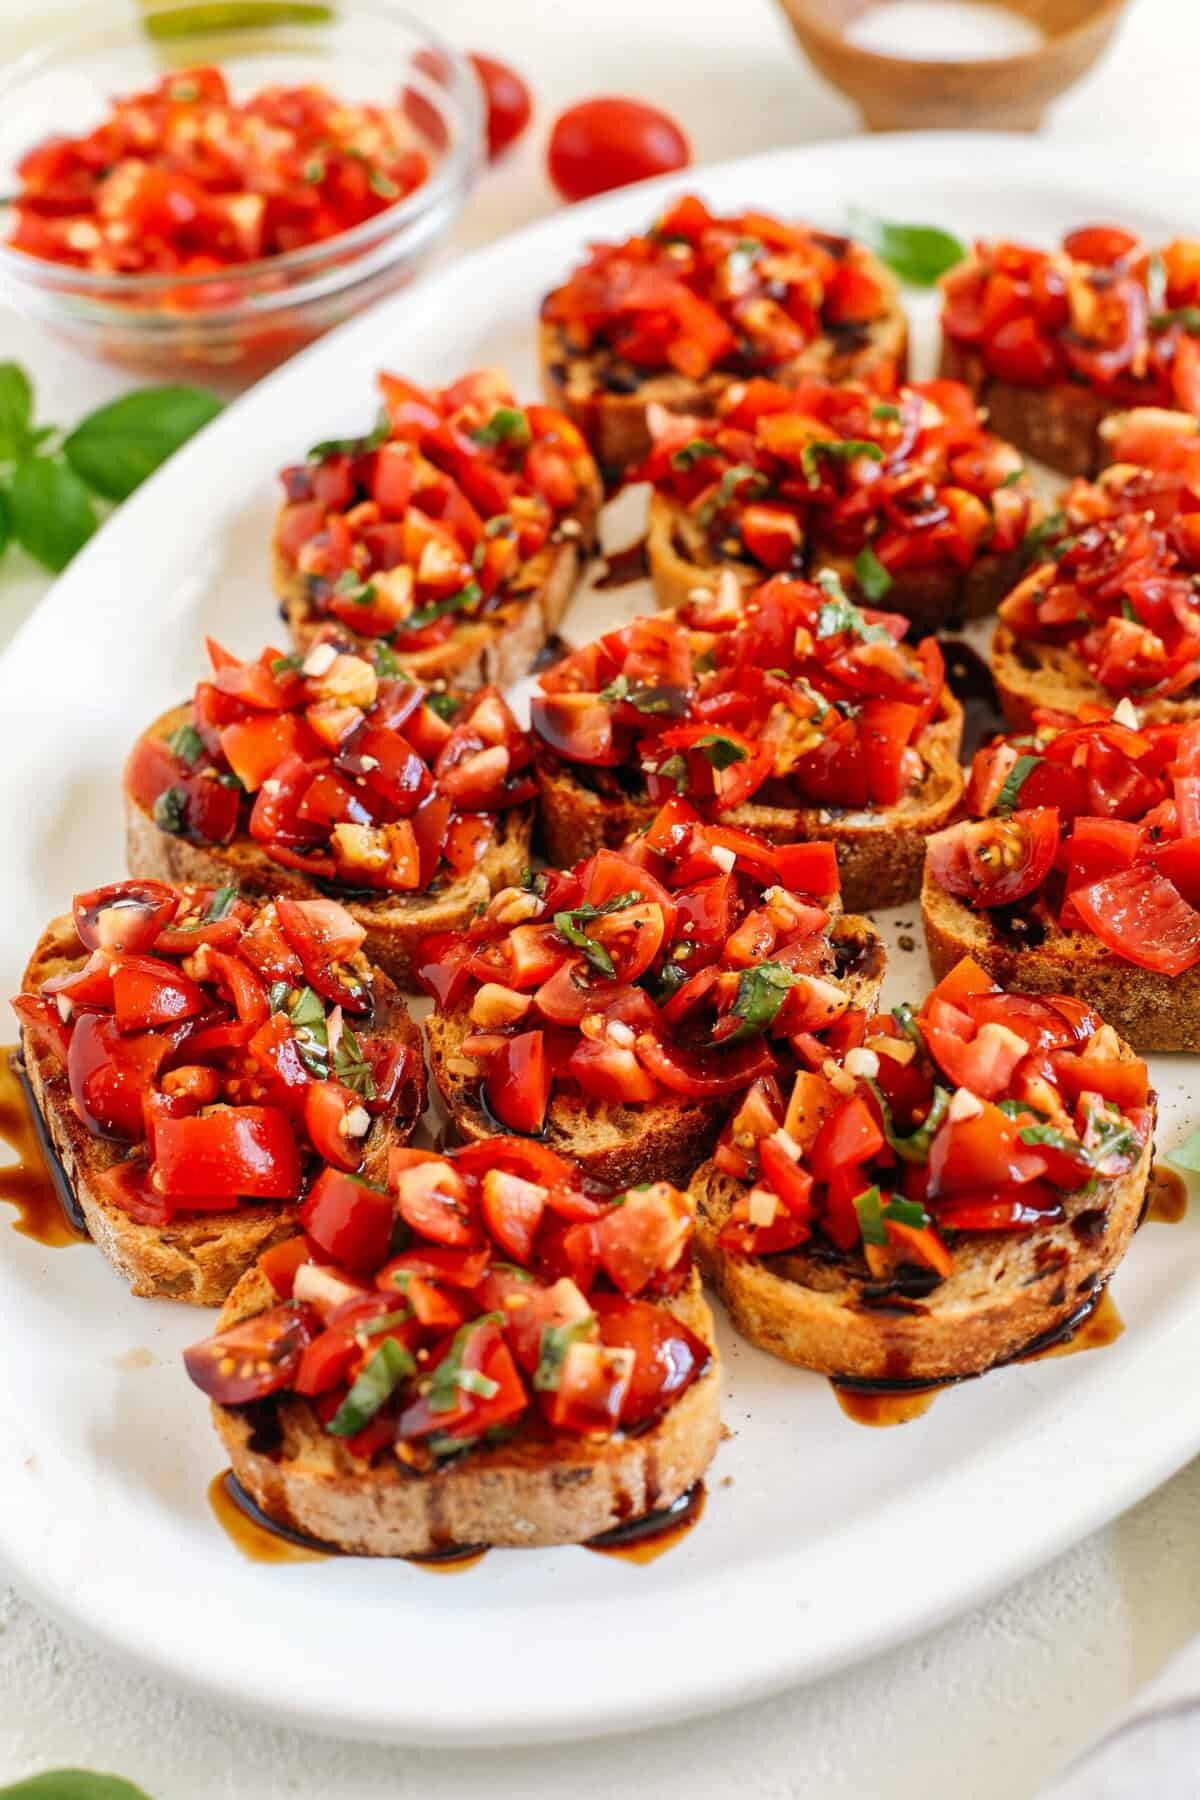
x=373 y=1387
x=675 y=769
x=673 y=977
x=352 y=588
x=384 y=658
x=444 y=705
x=841 y=450
x=669 y=702
x=228 y=779
x=1009 y=797
x=314 y=171
x=570 y=926
x=221 y=904
x=1187 y=316
x=354 y=446
x=351 y=1066
x=871 y=575
x=692 y=451
x=375 y=1326
x=382 y=184
x=906 y=1019
x=721 y=751
x=277 y=996
x=874 y=1214
x=761 y=992
x=839 y=613
x=186 y=743
x=555 y=1341
x=919 y=254
x=915 y=1147
x=1108 y=1138
x=507 y=425
x=306 y=1010
x=1014 y=476
x=450 y=1379
x=498 y=526
x=287 y=665
x=740 y=476
x=1038 y=538
x=462 y=601
x=885 y=410
x=170 y=811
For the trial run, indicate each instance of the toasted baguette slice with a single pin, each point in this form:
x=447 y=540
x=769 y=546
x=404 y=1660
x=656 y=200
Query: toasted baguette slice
x=196 y=1259
x=561 y=1489
x=393 y=922
x=620 y=1145
x=880 y=854
x=1155 y=1013
x=826 y=1312
x=681 y=564
x=1029 y=675
x=1059 y=424
x=608 y=401
x=499 y=648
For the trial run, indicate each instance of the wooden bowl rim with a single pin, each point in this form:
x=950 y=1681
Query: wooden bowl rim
x=812 y=16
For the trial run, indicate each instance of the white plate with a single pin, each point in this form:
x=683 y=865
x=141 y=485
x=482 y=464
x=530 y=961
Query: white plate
x=822 y=1542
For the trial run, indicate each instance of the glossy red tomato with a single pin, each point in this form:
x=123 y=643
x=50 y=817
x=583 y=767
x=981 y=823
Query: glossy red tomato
x=607 y=143
x=508 y=100
x=348 y=1220
x=669 y=1355
x=329 y=1111
x=1144 y=918
x=240 y=1151
x=997 y=861
x=255 y=1358
x=518 y=1083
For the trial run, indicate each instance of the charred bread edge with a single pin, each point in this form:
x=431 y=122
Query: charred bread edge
x=514 y=1494
x=199 y=1259
x=394 y=924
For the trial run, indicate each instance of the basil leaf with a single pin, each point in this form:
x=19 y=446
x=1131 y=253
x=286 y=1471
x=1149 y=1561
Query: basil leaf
x=170 y=811
x=842 y=450
x=721 y=751
x=450 y=1379
x=50 y=510
x=114 y=448
x=351 y=1066
x=16 y=411
x=73 y=1784
x=839 y=613
x=384 y=658
x=186 y=743
x=553 y=1345
x=919 y=254
x=386 y=1323
x=507 y=425
x=871 y=575
x=666 y=702
x=1187 y=1154
x=742 y=475
x=221 y=904
x=373 y=1387
x=444 y=705
x=277 y=996
x=287 y=665
x=1009 y=797
x=5 y=527
x=761 y=992
x=692 y=452
x=1187 y=316
x=885 y=410
x=874 y=1214
x=906 y=1019
x=379 y=434
x=915 y=1147
x=306 y=1010
x=1037 y=539
x=570 y=926
x=465 y=598
x=675 y=769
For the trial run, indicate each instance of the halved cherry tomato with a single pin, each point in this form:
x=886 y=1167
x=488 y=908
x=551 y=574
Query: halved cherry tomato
x=330 y=1111
x=508 y=101
x=254 y=1358
x=995 y=862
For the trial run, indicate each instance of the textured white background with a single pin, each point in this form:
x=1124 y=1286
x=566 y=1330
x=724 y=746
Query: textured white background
x=984 y=1709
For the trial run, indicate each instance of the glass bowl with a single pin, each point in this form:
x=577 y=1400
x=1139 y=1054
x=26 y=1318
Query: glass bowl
x=249 y=316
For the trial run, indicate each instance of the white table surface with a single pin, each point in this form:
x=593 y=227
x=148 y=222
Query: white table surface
x=987 y=1707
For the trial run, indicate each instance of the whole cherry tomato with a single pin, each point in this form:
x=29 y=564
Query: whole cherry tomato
x=607 y=143
x=509 y=102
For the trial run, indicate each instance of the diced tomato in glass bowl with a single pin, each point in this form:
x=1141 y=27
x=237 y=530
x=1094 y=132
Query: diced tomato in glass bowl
x=144 y=240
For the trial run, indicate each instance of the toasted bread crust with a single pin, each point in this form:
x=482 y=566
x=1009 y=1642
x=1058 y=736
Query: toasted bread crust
x=615 y=423
x=561 y=1490
x=681 y=563
x=394 y=923
x=1030 y=675
x=1006 y=1292
x=1158 y=1014
x=196 y=1259
x=500 y=648
x=880 y=855
x=614 y=1144
x=1059 y=424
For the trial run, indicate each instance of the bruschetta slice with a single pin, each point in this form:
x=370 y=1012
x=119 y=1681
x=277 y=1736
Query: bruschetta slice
x=1079 y=871
x=672 y=316
x=617 y=1009
x=195 y=1058
x=914 y=503
x=796 y=714
x=941 y=1198
x=535 y=1365
x=455 y=531
x=1052 y=342
x=324 y=772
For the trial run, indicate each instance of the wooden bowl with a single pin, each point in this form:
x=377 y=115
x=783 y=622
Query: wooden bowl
x=1008 y=93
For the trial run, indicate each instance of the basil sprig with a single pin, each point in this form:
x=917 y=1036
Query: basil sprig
x=871 y=575
x=838 y=450
x=919 y=254
x=839 y=613
x=761 y=992
x=570 y=926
